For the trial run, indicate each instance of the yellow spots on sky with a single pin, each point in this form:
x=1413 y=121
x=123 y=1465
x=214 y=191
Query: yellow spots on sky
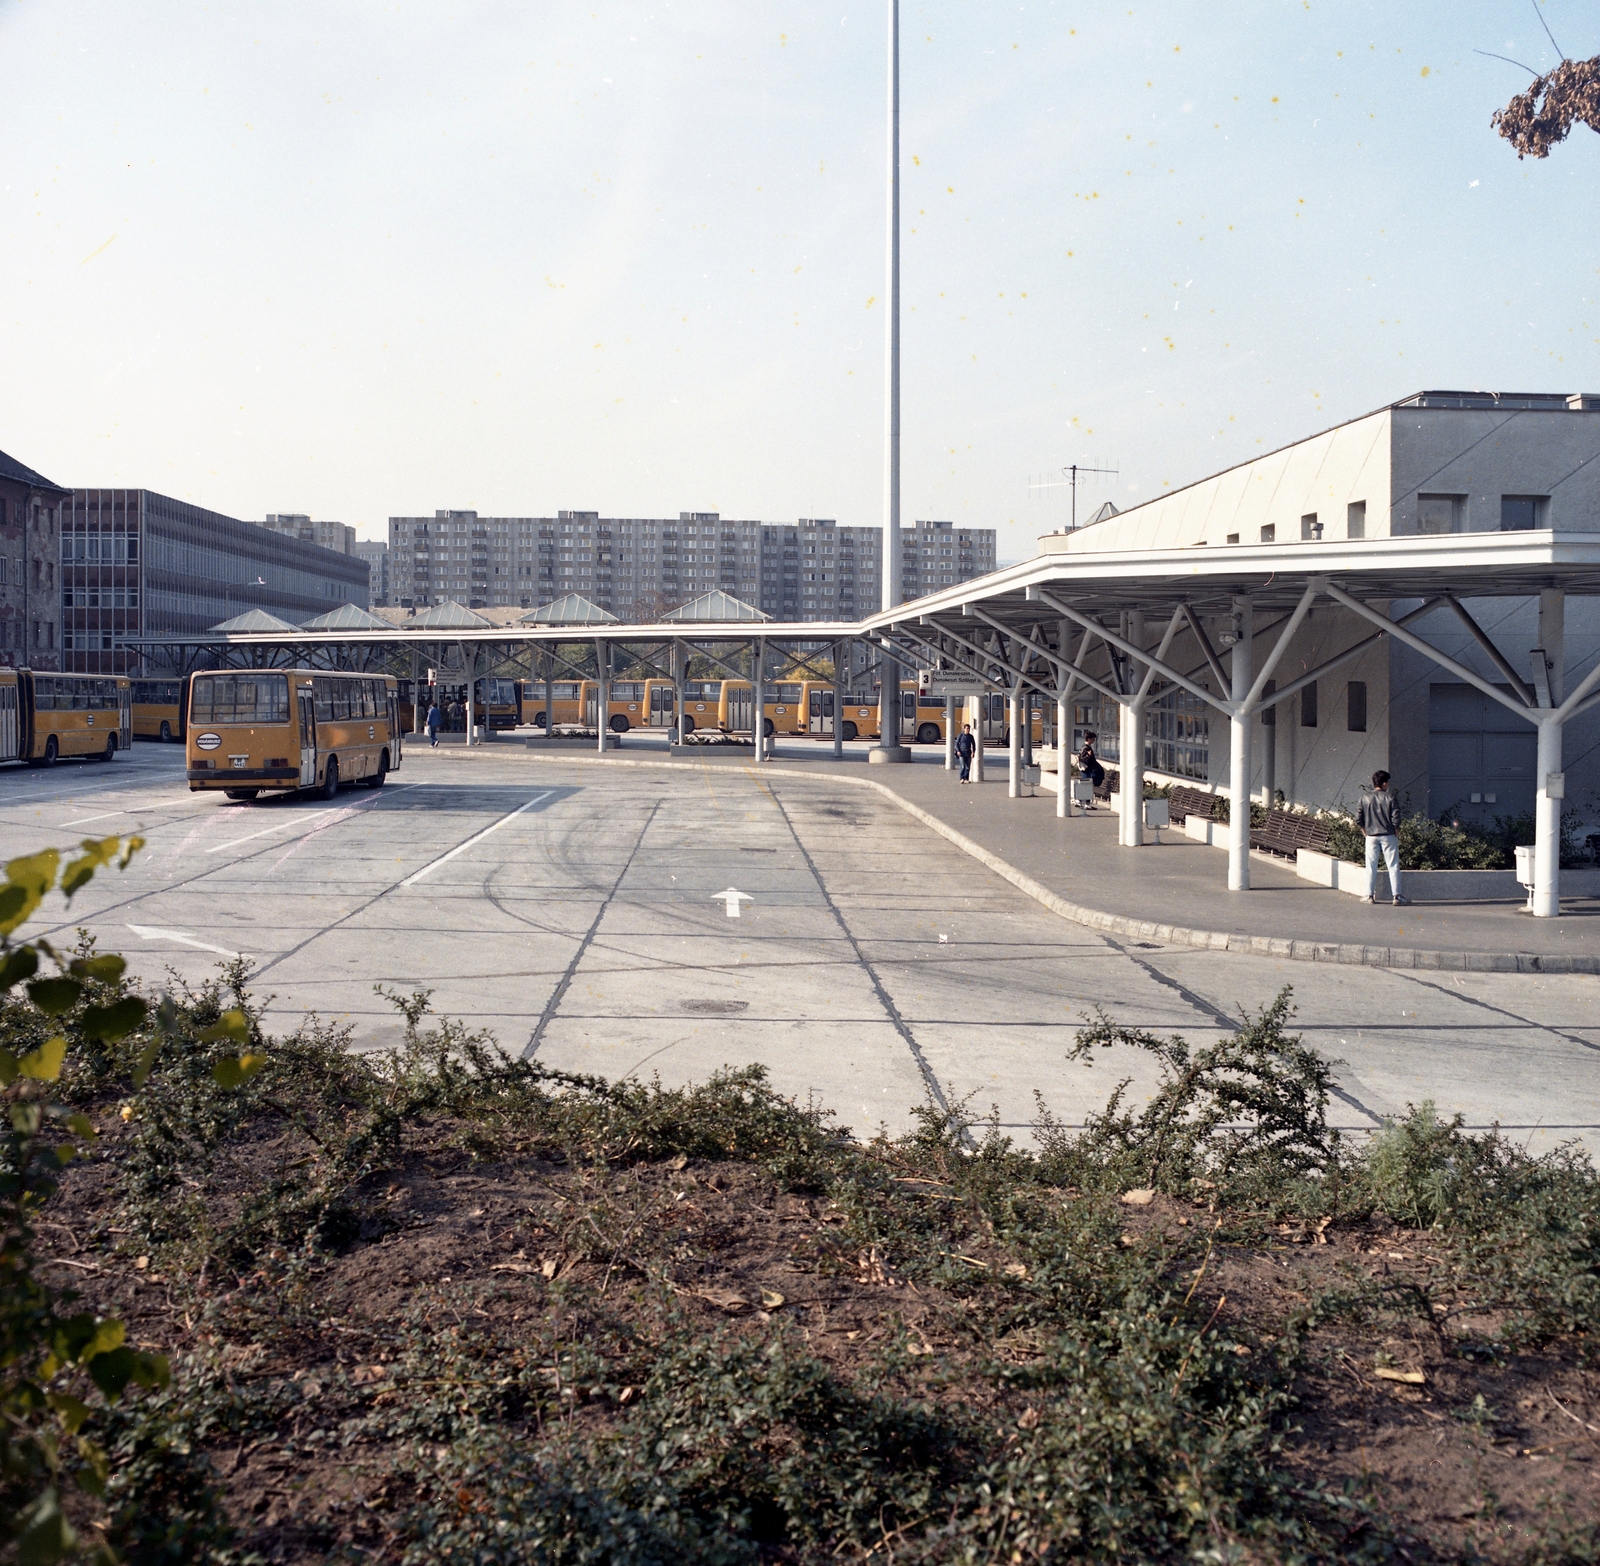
x=872 y=301
x=1427 y=70
x=783 y=40
x=950 y=189
x=915 y=159
x=1274 y=100
x=599 y=345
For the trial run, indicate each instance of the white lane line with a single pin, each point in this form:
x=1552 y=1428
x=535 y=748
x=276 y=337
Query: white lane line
x=151 y=932
x=428 y=869
x=295 y=820
x=101 y=817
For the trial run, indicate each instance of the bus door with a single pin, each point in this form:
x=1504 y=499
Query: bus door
x=308 y=740
x=908 y=714
x=10 y=730
x=661 y=705
x=124 y=715
x=591 y=705
x=821 y=716
x=741 y=700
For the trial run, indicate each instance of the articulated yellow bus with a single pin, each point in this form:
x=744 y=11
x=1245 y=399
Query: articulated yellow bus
x=630 y=704
x=158 y=709
x=251 y=730
x=46 y=716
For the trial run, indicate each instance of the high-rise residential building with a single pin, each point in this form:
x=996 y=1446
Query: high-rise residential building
x=940 y=554
x=637 y=567
x=817 y=570
x=375 y=551
x=138 y=564
x=337 y=536
x=30 y=595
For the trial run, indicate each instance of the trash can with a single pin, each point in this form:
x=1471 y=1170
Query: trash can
x=1525 y=875
x=1028 y=778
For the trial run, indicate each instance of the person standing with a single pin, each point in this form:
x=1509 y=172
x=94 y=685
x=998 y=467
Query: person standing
x=434 y=719
x=966 y=746
x=1379 y=817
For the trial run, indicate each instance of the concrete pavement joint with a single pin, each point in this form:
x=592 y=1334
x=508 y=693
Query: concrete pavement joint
x=1096 y=919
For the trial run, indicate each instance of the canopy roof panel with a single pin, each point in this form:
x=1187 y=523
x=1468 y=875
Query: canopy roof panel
x=572 y=609
x=713 y=607
x=448 y=616
x=254 y=620
x=347 y=617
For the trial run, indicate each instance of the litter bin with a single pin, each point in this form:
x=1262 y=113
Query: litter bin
x=1028 y=778
x=1525 y=876
x=1157 y=814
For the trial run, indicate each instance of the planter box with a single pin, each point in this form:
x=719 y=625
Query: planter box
x=1204 y=830
x=1435 y=886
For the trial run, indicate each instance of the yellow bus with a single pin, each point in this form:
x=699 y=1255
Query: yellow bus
x=630 y=704
x=251 y=730
x=158 y=709
x=46 y=716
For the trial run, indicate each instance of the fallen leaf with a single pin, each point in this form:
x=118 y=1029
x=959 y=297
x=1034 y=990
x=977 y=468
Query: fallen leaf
x=680 y=1162
x=1140 y=1196
x=1015 y=1270
x=771 y=1299
x=140 y=1263
x=1028 y=1419
x=521 y=1267
x=1412 y=1378
x=547 y=1268
x=725 y=1299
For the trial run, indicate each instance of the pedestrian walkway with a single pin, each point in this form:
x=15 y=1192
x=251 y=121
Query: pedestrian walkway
x=1175 y=892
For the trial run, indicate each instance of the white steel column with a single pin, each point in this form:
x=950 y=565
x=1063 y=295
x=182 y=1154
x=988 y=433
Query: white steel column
x=889 y=746
x=841 y=651
x=471 y=666
x=981 y=707
x=1064 y=739
x=949 y=733
x=1550 y=789
x=549 y=693
x=1014 y=709
x=602 y=710
x=758 y=697
x=1239 y=753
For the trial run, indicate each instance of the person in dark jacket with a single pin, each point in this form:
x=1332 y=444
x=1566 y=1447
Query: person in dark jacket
x=966 y=745
x=434 y=716
x=1379 y=817
x=1089 y=763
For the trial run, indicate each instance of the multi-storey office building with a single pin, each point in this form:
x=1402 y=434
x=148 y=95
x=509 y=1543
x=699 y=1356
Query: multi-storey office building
x=940 y=554
x=30 y=596
x=138 y=564
x=637 y=567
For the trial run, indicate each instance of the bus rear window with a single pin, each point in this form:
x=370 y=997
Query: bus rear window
x=240 y=698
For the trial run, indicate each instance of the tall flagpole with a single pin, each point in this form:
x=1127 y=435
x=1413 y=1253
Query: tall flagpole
x=889 y=746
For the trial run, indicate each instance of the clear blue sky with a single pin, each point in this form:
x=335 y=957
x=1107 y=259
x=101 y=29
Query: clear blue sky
x=365 y=259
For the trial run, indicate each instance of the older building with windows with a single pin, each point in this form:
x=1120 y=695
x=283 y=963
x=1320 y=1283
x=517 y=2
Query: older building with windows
x=337 y=536
x=137 y=564
x=30 y=597
x=375 y=551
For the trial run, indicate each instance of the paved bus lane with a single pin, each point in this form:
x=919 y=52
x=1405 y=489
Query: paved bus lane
x=580 y=913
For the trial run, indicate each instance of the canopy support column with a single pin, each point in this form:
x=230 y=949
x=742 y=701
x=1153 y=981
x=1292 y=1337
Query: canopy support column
x=1239 y=752
x=602 y=711
x=1016 y=711
x=841 y=651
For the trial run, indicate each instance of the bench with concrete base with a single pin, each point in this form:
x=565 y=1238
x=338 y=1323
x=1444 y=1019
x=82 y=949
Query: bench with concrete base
x=1285 y=832
x=1186 y=802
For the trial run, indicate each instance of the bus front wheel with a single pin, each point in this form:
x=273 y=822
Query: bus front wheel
x=619 y=723
x=539 y=720
x=51 y=751
x=849 y=730
x=766 y=727
x=110 y=750
x=688 y=724
x=330 y=778
x=166 y=732
x=376 y=780
x=928 y=734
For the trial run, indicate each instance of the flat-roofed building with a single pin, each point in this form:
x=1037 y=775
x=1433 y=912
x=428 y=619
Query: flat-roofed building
x=30 y=596
x=135 y=563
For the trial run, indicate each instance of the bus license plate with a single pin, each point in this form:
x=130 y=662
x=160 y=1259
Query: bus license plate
x=237 y=761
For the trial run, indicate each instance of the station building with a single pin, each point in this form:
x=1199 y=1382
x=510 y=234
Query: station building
x=1437 y=463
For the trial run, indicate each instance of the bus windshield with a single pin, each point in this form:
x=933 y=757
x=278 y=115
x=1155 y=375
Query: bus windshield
x=240 y=698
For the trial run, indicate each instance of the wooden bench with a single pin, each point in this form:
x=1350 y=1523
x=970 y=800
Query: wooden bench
x=1185 y=802
x=1111 y=785
x=1286 y=831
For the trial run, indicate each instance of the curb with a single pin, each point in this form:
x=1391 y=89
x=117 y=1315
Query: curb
x=1143 y=929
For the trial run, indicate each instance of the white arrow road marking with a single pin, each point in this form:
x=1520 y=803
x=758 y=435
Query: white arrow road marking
x=731 y=900
x=428 y=869
x=150 y=932
x=294 y=820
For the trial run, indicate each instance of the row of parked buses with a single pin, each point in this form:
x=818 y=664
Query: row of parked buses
x=789 y=707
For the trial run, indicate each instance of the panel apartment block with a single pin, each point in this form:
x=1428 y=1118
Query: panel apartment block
x=940 y=554
x=637 y=567
x=135 y=563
